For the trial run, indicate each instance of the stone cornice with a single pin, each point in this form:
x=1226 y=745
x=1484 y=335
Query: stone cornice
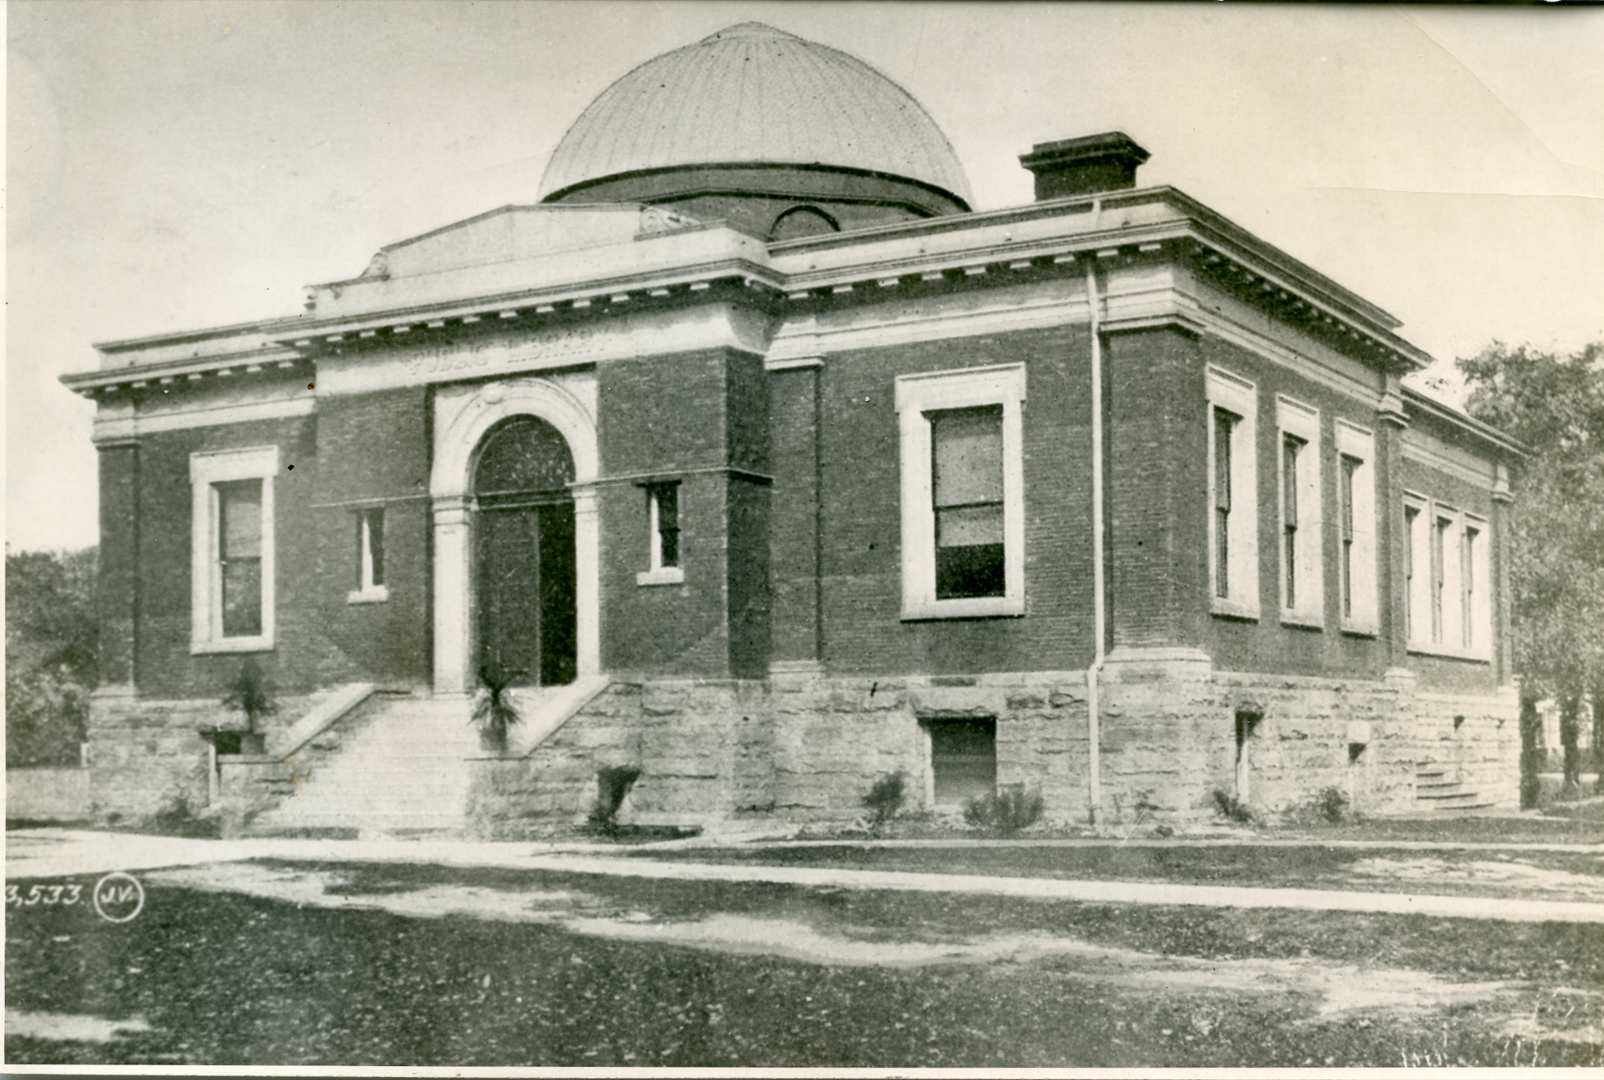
x=934 y=257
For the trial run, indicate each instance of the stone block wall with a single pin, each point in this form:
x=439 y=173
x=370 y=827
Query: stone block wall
x=1474 y=739
x=794 y=748
x=805 y=747
x=144 y=754
x=47 y=794
x=1169 y=742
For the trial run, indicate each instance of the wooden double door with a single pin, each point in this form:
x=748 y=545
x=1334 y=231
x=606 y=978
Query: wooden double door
x=524 y=555
x=526 y=592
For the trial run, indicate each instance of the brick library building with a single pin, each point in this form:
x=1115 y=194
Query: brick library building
x=756 y=467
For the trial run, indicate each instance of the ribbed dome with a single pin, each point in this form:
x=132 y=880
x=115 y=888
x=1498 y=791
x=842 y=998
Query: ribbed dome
x=751 y=94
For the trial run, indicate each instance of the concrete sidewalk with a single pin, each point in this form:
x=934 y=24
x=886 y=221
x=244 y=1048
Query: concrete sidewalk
x=55 y=853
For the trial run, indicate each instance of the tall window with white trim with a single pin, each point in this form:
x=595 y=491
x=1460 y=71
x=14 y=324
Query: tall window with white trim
x=963 y=518
x=1356 y=500
x=1302 y=580
x=232 y=550
x=1448 y=580
x=1233 y=495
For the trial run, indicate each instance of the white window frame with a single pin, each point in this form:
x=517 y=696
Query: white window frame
x=656 y=573
x=1302 y=422
x=367 y=591
x=1447 y=635
x=1363 y=580
x=1239 y=397
x=917 y=395
x=206 y=470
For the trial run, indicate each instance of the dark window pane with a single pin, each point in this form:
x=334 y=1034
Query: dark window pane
x=667 y=496
x=963 y=759
x=376 y=545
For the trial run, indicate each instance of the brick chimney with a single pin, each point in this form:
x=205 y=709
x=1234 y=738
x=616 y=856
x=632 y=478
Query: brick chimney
x=1084 y=166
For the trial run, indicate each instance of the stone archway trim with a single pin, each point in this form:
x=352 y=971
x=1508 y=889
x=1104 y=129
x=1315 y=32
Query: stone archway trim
x=451 y=485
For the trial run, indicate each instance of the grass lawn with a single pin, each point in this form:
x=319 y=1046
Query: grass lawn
x=1577 y=875
x=224 y=978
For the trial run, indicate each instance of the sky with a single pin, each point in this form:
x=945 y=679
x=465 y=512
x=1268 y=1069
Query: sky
x=172 y=166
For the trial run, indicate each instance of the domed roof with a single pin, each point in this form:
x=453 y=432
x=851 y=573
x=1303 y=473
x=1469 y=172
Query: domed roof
x=751 y=94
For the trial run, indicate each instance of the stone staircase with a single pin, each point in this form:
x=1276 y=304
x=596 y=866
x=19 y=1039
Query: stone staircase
x=396 y=766
x=1435 y=792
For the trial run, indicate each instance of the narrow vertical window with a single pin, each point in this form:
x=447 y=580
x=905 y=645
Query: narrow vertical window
x=1291 y=445
x=1224 y=423
x=239 y=557
x=1349 y=467
x=1231 y=435
x=1439 y=574
x=369 y=556
x=967 y=476
x=664 y=512
x=1467 y=578
x=1411 y=521
x=662 y=535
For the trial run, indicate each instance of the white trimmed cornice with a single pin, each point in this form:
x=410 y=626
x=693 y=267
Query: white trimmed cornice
x=937 y=258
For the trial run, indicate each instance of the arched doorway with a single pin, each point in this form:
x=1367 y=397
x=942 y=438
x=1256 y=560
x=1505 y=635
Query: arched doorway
x=524 y=554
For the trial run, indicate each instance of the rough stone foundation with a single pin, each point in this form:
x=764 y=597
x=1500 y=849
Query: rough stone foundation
x=800 y=748
x=148 y=755
x=804 y=747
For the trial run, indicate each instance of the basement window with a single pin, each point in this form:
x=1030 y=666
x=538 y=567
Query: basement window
x=370 y=587
x=963 y=759
x=232 y=550
x=963 y=512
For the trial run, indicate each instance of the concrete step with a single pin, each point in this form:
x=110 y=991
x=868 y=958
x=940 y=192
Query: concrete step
x=1447 y=796
x=403 y=769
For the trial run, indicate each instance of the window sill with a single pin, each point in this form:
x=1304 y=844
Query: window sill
x=1231 y=609
x=668 y=575
x=1363 y=630
x=979 y=607
x=377 y=595
x=1446 y=652
x=1303 y=621
x=232 y=645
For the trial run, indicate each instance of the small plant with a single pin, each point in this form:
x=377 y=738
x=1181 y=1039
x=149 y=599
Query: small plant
x=1004 y=812
x=1232 y=808
x=178 y=818
x=885 y=798
x=1332 y=805
x=612 y=784
x=494 y=711
x=251 y=693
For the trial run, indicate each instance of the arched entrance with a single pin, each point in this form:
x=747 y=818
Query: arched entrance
x=524 y=557
x=465 y=420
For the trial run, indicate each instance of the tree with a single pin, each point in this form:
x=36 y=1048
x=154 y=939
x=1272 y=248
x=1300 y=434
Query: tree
x=1555 y=406
x=51 y=654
